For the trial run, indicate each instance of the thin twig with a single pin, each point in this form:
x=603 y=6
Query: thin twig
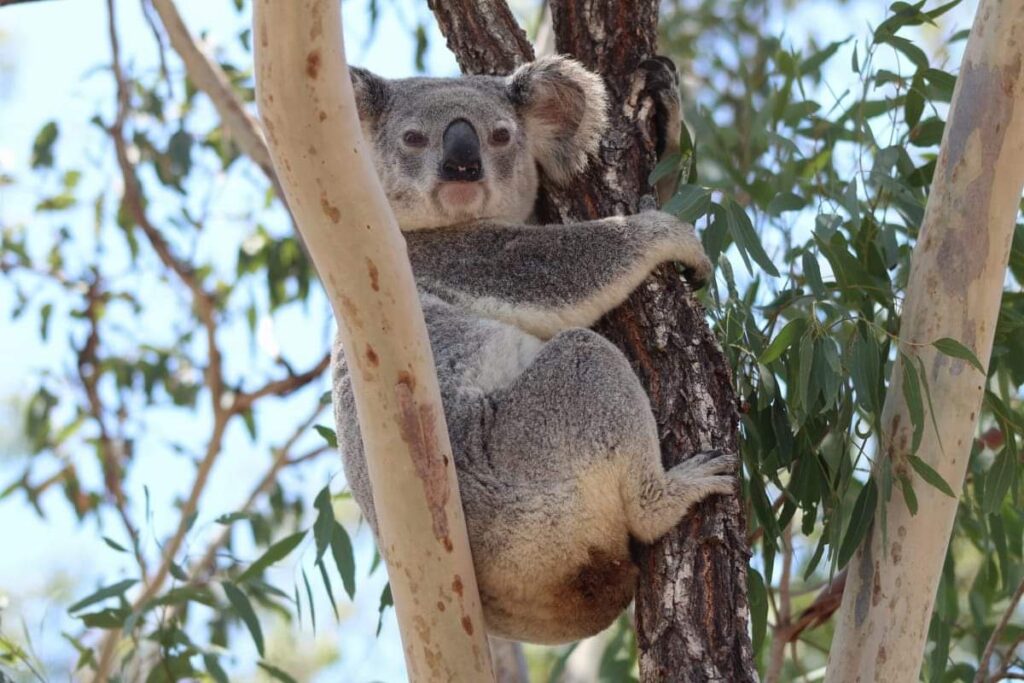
x=997 y=633
x=88 y=367
x=208 y=76
x=280 y=387
x=165 y=74
x=782 y=613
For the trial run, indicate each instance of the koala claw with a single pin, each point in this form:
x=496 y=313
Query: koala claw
x=709 y=463
x=648 y=203
x=699 y=276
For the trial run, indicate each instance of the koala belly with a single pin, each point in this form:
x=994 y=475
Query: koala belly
x=544 y=462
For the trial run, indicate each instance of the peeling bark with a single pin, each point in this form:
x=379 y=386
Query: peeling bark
x=692 y=597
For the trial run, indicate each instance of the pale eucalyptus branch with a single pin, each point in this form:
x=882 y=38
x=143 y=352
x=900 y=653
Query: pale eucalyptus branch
x=308 y=110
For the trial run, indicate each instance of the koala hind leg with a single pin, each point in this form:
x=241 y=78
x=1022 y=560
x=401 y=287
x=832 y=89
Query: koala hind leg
x=656 y=500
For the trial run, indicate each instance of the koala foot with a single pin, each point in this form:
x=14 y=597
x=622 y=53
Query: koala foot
x=661 y=499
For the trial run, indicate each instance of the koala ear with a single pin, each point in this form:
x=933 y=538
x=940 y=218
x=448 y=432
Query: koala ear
x=564 y=108
x=373 y=94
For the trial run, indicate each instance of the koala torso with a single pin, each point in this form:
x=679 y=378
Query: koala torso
x=553 y=437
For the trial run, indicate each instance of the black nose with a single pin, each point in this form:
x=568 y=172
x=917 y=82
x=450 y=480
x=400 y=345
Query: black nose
x=461 y=160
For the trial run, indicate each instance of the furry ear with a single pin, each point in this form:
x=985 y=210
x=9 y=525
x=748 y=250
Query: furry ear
x=564 y=108
x=373 y=94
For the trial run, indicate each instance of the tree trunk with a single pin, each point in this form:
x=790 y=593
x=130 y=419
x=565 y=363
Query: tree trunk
x=306 y=101
x=955 y=289
x=692 y=596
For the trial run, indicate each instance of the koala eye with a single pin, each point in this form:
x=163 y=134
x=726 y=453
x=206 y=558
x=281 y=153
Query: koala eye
x=500 y=136
x=414 y=138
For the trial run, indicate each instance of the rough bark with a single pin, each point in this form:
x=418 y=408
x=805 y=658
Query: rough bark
x=692 y=596
x=308 y=109
x=955 y=289
x=483 y=35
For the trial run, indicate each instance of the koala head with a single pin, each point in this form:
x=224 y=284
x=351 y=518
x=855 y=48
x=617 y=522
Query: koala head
x=452 y=150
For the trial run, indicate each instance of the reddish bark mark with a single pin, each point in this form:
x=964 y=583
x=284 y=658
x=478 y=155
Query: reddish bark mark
x=313 y=64
x=371 y=356
x=407 y=378
x=467 y=625
x=351 y=312
x=416 y=425
x=457 y=585
x=371 y=268
x=329 y=210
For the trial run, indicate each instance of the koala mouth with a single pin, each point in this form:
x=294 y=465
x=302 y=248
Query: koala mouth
x=461 y=196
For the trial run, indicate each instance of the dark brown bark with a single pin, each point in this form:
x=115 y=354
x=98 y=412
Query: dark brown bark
x=483 y=35
x=691 y=602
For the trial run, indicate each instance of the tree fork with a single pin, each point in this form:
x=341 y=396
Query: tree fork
x=691 y=601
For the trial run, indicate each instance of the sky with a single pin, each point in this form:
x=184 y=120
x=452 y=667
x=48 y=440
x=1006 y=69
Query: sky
x=49 y=54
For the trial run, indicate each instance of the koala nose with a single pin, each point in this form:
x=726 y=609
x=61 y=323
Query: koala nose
x=461 y=153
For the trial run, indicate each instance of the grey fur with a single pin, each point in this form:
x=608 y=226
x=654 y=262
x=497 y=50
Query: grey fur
x=555 y=444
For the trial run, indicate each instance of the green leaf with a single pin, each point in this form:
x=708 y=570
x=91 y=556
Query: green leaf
x=327 y=586
x=102 y=594
x=324 y=524
x=758 y=599
x=915 y=54
x=232 y=517
x=243 y=608
x=114 y=544
x=689 y=203
x=328 y=434
x=786 y=337
x=667 y=166
x=214 y=668
x=860 y=521
x=108 y=618
x=341 y=548
x=386 y=600
x=999 y=480
x=276 y=673
x=274 y=553
x=925 y=471
x=913 y=106
x=309 y=596
x=813 y=64
x=951 y=347
x=42 y=146
x=909 y=497
x=915 y=404
x=742 y=230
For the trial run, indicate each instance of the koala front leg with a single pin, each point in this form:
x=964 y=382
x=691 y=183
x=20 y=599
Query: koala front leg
x=548 y=278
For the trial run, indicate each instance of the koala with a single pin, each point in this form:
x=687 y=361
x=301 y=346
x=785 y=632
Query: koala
x=554 y=442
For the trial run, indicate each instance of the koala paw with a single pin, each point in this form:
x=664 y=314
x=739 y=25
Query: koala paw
x=662 y=83
x=686 y=247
